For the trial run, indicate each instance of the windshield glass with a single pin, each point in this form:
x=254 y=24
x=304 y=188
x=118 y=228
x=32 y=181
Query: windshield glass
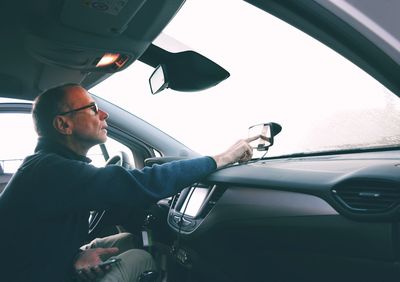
x=277 y=74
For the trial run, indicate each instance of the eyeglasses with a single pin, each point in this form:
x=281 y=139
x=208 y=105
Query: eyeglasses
x=93 y=106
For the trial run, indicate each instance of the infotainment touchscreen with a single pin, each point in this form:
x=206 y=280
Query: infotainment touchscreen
x=192 y=206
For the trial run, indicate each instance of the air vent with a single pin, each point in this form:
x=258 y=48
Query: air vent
x=372 y=196
x=216 y=194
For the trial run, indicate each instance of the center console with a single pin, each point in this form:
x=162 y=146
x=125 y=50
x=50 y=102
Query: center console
x=190 y=207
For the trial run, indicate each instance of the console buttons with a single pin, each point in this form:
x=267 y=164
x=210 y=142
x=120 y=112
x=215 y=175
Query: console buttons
x=186 y=222
x=179 y=220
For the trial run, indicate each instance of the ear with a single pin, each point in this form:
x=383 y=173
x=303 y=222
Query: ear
x=63 y=125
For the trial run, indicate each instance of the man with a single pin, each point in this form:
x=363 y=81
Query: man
x=44 y=209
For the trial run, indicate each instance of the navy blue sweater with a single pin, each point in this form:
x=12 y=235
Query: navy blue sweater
x=44 y=209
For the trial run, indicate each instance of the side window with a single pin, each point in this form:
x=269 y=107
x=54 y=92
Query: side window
x=18 y=140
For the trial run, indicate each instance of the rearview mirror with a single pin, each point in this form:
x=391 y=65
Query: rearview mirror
x=185 y=71
x=158 y=80
x=267 y=131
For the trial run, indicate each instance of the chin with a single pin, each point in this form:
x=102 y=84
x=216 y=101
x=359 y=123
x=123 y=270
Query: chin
x=100 y=139
x=103 y=139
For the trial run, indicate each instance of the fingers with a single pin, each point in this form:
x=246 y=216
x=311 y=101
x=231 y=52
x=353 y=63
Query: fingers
x=248 y=150
x=87 y=263
x=253 y=138
x=241 y=151
x=247 y=154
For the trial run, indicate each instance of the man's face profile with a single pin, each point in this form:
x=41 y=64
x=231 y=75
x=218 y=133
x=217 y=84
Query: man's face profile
x=86 y=122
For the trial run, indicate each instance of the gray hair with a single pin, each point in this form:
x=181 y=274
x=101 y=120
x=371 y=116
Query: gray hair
x=46 y=106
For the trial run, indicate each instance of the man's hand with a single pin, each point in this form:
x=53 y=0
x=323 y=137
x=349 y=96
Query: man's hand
x=87 y=263
x=241 y=151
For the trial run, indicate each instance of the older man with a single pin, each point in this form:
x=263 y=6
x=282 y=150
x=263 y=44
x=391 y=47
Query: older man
x=44 y=209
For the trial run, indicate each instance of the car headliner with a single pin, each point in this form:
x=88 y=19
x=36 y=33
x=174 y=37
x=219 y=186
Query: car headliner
x=44 y=43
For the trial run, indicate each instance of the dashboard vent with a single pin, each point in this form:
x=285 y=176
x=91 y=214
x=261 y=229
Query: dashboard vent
x=371 y=196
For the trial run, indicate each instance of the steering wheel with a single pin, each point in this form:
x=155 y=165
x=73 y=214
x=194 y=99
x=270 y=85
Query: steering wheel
x=121 y=159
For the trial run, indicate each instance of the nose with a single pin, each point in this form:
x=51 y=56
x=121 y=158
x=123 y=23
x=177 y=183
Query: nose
x=103 y=115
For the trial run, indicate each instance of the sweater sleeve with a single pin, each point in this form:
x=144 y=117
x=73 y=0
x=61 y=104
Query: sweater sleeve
x=71 y=185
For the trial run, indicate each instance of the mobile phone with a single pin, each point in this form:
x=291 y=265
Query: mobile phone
x=109 y=262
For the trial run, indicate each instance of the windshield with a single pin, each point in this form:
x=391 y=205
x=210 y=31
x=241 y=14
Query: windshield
x=277 y=74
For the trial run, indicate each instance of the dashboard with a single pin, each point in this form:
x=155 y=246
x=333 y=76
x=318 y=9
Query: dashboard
x=332 y=204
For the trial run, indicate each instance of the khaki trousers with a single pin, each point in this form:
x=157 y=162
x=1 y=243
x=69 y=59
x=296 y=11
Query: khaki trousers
x=133 y=262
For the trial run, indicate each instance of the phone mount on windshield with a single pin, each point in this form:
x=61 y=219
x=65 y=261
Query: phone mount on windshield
x=267 y=131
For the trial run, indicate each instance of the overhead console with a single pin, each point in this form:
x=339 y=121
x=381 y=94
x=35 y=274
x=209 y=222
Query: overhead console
x=87 y=30
x=78 y=41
